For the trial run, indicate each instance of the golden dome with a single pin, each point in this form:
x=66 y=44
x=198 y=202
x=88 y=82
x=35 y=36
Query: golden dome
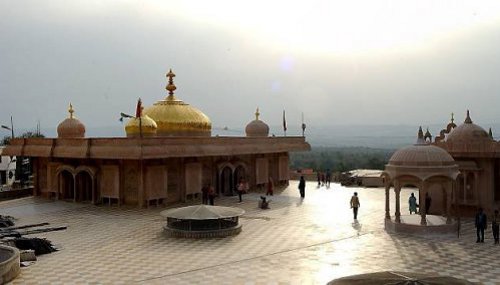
x=143 y=124
x=257 y=128
x=71 y=127
x=177 y=118
x=140 y=125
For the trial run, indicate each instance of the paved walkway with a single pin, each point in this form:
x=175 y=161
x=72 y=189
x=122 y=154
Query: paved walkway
x=295 y=242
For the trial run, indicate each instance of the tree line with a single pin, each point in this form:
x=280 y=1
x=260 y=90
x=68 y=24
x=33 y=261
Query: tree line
x=340 y=159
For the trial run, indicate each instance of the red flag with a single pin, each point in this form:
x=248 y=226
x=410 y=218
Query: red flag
x=284 y=121
x=138 y=109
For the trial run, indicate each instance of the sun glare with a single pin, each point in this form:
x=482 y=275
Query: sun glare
x=342 y=26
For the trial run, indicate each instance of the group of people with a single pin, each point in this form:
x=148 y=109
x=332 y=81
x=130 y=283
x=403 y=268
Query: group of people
x=413 y=205
x=481 y=224
x=324 y=178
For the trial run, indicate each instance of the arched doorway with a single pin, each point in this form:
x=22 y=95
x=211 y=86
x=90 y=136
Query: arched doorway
x=226 y=181
x=84 y=187
x=66 y=185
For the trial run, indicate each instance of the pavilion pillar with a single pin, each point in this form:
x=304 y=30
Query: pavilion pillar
x=423 y=214
x=475 y=192
x=397 y=191
x=465 y=186
x=387 y=207
x=449 y=192
x=74 y=187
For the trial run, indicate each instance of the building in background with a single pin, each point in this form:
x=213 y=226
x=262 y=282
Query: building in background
x=167 y=156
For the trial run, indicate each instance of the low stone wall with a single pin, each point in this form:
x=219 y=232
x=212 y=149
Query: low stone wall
x=9 y=263
x=203 y=234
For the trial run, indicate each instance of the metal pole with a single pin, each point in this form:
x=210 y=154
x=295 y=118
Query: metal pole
x=12 y=127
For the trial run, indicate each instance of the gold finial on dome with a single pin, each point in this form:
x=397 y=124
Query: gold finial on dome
x=468 y=120
x=71 y=111
x=452 y=119
x=170 y=86
x=257 y=114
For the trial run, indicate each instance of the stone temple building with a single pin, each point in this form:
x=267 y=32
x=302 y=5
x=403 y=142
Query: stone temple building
x=460 y=171
x=167 y=156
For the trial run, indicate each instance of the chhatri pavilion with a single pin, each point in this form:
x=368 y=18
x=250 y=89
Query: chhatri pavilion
x=460 y=171
x=167 y=156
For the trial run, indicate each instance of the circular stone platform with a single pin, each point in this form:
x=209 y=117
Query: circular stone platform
x=411 y=224
x=202 y=221
x=9 y=263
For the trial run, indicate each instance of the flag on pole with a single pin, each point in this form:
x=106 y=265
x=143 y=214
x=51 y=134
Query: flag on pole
x=284 y=122
x=138 y=109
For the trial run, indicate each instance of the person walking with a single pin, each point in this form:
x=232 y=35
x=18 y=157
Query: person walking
x=495 y=226
x=412 y=201
x=270 y=186
x=302 y=187
x=355 y=204
x=204 y=195
x=211 y=194
x=240 y=188
x=481 y=225
x=428 y=201
x=318 y=173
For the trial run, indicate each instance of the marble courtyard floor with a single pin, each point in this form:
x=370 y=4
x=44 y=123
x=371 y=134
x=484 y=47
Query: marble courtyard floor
x=295 y=242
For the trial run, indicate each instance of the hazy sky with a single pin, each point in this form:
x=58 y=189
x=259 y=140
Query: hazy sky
x=339 y=62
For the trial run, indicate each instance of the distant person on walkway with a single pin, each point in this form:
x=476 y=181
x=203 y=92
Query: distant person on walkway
x=204 y=195
x=302 y=187
x=318 y=174
x=428 y=201
x=240 y=188
x=211 y=194
x=481 y=225
x=328 y=178
x=323 y=179
x=355 y=205
x=270 y=186
x=495 y=226
x=413 y=204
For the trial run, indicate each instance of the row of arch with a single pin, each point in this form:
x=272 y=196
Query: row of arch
x=80 y=183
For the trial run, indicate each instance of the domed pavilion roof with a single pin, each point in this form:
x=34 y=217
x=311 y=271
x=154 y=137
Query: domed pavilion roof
x=177 y=118
x=140 y=125
x=257 y=128
x=71 y=127
x=468 y=132
x=422 y=160
x=203 y=212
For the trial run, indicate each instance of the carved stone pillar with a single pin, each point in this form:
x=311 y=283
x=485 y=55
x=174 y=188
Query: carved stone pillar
x=465 y=185
x=387 y=207
x=449 y=191
x=397 y=191
x=422 y=193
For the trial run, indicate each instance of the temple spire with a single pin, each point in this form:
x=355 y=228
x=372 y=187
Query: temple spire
x=71 y=111
x=170 y=86
x=468 y=119
x=490 y=133
x=452 y=119
x=420 y=138
x=257 y=114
